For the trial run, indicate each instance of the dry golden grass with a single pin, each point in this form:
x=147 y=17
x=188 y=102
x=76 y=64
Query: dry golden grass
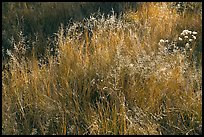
x=119 y=81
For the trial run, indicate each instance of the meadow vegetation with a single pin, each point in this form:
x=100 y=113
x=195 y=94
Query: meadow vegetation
x=139 y=72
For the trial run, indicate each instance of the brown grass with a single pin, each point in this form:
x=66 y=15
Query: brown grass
x=119 y=81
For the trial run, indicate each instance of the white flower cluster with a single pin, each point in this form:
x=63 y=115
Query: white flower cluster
x=163 y=42
x=186 y=32
x=187 y=37
x=167 y=46
x=184 y=43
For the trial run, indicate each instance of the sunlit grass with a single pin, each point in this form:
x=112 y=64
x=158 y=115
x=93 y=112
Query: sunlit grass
x=120 y=78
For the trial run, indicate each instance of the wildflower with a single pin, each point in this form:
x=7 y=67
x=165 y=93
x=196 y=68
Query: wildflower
x=182 y=34
x=186 y=37
x=185 y=32
x=189 y=32
x=180 y=39
x=187 y=45
x=190 y=40
x=161 y=41
x=195 y=33
x=194 y=37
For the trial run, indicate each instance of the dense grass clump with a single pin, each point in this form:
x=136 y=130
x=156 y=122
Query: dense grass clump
x=110 y=75
x=42 y=19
